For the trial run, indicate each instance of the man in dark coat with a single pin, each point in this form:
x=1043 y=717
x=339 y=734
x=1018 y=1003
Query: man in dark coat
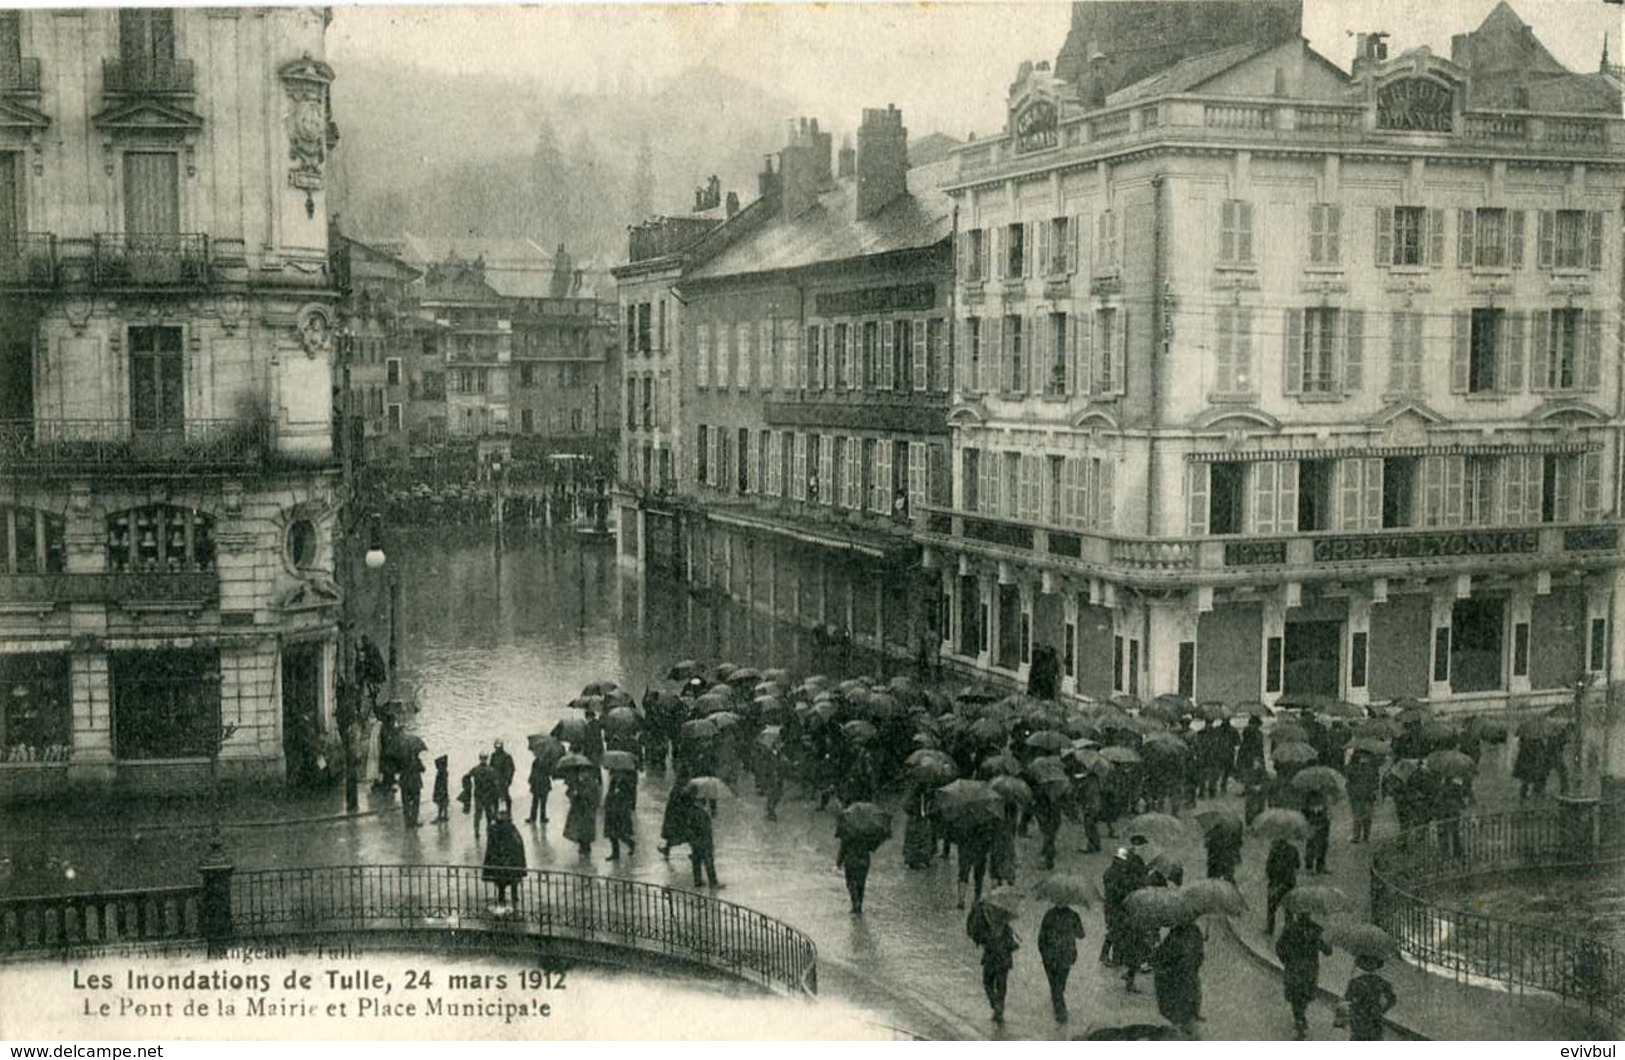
x=990 y=929
x=1047 y=809
x=1320 y=835
x=1058 y=936
x=1178 y=964
x=1250 y=746
x=540 y=783
x=975 y=845
x=1223 y=842
x=1089 y=808
x=702 y=851
x=1280 y=876
x=411 y=789
x=770 y=766
x=502 y=765
x=593 y=745
x=1300 y=948
x=504 y=857
x=1253 y=794
x=1369 y=997
x=620 y=803
x=584 y=789
x=1364 y=782
x=486 y=793
x=853 y=858
x=1450 y=800
x=1228 y=740
x=1125 y=875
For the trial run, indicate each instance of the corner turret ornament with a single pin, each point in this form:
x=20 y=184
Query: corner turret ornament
x=306 y=81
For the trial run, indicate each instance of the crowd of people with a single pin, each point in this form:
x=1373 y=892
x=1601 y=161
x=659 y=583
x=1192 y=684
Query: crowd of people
x=972 y=770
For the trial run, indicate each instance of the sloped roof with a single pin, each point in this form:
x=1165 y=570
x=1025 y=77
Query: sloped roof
x=828 y=232
x=1188 y=74
x=421 y=250
x=1510 y=68
x=376 y=256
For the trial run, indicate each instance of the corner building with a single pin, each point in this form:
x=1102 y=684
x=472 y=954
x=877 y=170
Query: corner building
x=1276 y=381
x=167 y=492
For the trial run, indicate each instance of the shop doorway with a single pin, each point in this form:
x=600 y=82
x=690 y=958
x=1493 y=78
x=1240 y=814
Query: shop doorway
x=1477 y=633
x=301 y=713
x=1314 y=659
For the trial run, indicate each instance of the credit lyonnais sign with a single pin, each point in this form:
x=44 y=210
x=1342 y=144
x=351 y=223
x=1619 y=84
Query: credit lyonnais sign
x=1426 y=546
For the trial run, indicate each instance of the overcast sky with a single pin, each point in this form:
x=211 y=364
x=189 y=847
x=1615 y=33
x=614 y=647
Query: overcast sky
x=947 y=65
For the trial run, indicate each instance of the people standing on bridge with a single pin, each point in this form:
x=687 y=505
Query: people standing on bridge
x=1300 y=947
x=502 y=765
x=1280 y=876
x=504 y=857
x=411 y=788
x=1058 y=936
x=989 y=927
x=1178 y=975
x=1369 y=997
x=583 y=788
x=619 y=804
x=540 y=783
x=482 y=782
x=442 y=789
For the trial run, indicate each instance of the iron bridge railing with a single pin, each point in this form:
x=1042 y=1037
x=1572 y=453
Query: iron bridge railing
x=269 y=903
x=1410 y=872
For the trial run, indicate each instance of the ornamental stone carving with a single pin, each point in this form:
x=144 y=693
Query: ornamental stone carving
x=306 y=81
x=315 y=326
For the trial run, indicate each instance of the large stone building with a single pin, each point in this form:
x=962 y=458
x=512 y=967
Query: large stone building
x=1275 y=380
x=814 y=386
x=169 y=498
x=380 y=335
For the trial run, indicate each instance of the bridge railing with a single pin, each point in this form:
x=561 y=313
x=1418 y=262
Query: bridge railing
x=269 y=903
x=1410 y=871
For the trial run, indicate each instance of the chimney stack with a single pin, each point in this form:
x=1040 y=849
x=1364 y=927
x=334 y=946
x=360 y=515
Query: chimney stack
x=882 y=160
x=804 y=167
x=767 y=182
x=1094 y=95
x=848 y=158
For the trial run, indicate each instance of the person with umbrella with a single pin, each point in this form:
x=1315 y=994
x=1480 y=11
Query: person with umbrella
x=1300 y=947
x=1177 y=964
x=1532 y=765
x=540 y=783
x=1133 y=941
x=1058 y=935
x=770 y=767
x=1088 y=794
x=862 y=827
x=1223 y=843
x=592 y=744
x=442 y=789
x=1227 y=740
x=502 y=765
x=504 y=857
x=1364 y=783
x=1320 y=833
x=1280 y=876
x=620 y=802
x=988 y=926
x=582 y=787
x=1002 y=855
x=1254 y=796
x=1250 y=746
x=675 y=820
x=411 y=767
x=701 y=838
x=1047 y=809
x=1450 y=803
x=1369 y=997
x=482 y=782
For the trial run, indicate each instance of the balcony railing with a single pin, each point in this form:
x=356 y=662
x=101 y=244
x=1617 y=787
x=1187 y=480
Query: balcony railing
x=112 y=447
x=150 y=76
x=177 y=588
x=28 y=259
x=151 y=260
x=1299 y=555
x=20 y=76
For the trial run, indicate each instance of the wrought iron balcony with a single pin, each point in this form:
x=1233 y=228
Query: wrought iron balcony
x=28 y=259
x=156 y=259
x=113 y=447
x=19 y=76
x=148 y=76
x=139 y=589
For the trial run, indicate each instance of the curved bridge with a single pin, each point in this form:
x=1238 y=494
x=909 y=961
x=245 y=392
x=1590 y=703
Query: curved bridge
x=416 y=901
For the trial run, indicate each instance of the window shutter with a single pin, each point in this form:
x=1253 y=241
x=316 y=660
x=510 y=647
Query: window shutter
x=1104 y=492
x=1460 y=334
x=990 y=482
x=1244 y=232
x=1334 y=234
x=1227 y=230
x=1292 y=353
x=1433 y=490
x=1196 y=499
x=1088 y=498
x=1397 y=338
x=1545 y=230
x=1083 y=325
x=1455 y=471
x=826 y=470
x=1512 y=360
x=1317 y=233
x=1046 y=263
x=1373 y=493
x=992 y=353
x=1413 y=372
x=962 y=247
x=1562 y=487
x=1435 y=237
x=1286 y=520
x=1512 y=487
x=1591 y=490
x=1120 y=353
x=921 y=368
x=1464 y=238
x=1353 y=351
x=918 y=486
x=1100 y=359
x=1074 y=262
x=888 y=349
x=883 y=476
x=1515 y=239
x=1594 y=223
x=1027 y=248
x=1385 y=235
x=1038 y=354
x=965 y=382
x=1593 y=341
x=1540 y=366
x=999 y=234
x=1245 y=381
x=1225 y=374
x=1264 y=496
x=798 y=467
x=1534 y=481
x=1350 y=472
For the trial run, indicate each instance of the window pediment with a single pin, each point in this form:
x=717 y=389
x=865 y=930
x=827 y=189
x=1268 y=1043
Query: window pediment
x=20 y=117
x=1559 y=413
x=148 y=121
x=1237 y=419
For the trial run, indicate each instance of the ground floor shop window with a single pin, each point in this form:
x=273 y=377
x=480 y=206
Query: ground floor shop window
x=1011 y=630
x=1477 y=637
x=35 y=709
x=166 y=704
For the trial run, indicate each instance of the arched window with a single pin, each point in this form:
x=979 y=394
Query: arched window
x=160 y=538
x=31 y=541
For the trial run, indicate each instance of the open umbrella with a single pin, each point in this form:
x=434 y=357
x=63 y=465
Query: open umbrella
x=926 y=741
x=1060 y=888
x=545 y=748
x=1318 y=899
x=571 y=730
x=684 y=670
x=770 y=710
x=1324 y=781
x=1344 y=710
x=1000 y=764
x=1048 y=740
x=699 y=729
x=1295 y=753
x=1372 y=746
x=988 y=731
x=1413 y=715
x=1405 y=768
x=711 y=704
x=931 y=767
x=967 y=802
x=620 y=761
x=860 y=730
x=1438 y=732
x=1213 y=710
x=710 y=788
x=1125 y=701
x=1281 y=824
x=571 y=762
x=1164 y=744
x=1286 y=732
x=1049 y=772
x=1252 y=709
x=723 y=719
x=1364 y=940
x=1378 y=728
x=413 y=744
x=778 y=674
x=600 y=688
x=1159 y=826
x=747 y=675
x=1157 y=906
x=866 y=821
x=1450 y=764
x=1213 y=896
x=1012 y=790
x=770 y=737
x=1542 y=728
x=622 y=719
x=1120 y=756
x=1489 y=730
x=1091 y=761
x=724 y=670
x=1219 y=818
